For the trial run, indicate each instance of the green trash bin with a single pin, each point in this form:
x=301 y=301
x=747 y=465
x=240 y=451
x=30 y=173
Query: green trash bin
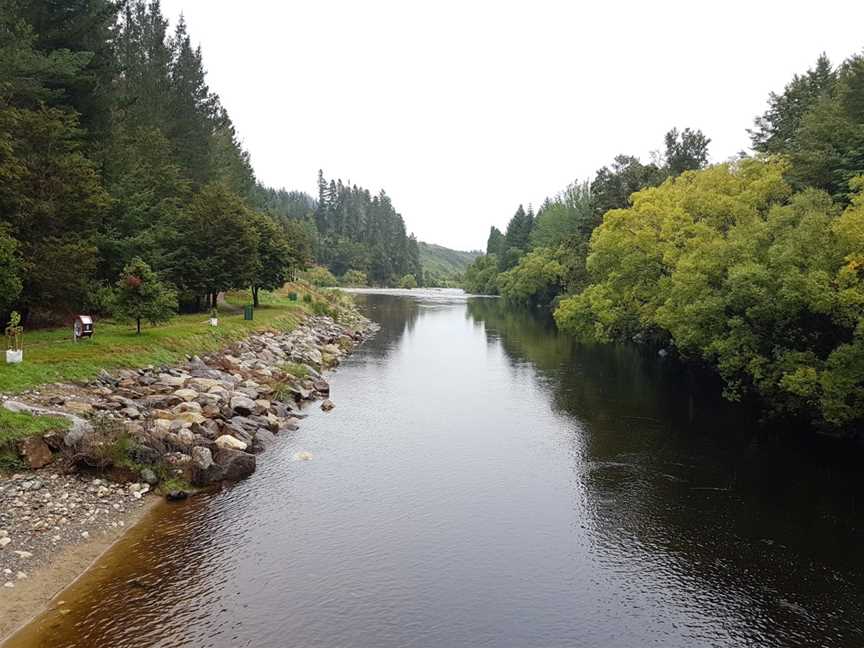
x=247 y=312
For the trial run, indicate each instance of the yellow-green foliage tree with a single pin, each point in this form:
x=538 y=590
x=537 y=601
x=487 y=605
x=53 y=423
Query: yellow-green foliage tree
x=731 y=267
x=536 y=279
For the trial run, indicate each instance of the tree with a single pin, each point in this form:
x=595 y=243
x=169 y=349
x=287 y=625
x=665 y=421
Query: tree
x=613 y=186
x=10 y=278
x=828 y=147
x=354 y=278
x=215 y=245
x=193 y=109
x=517 y=238
x=571 y=213
x=141 y=295
x=274 y=259
x=536 y=280
x=495 y=241
x=481 y=277
x=776 y=129
x=408 y=281
x=732 y=268
x=53 y=203
x=685 y=151
x=85 y=29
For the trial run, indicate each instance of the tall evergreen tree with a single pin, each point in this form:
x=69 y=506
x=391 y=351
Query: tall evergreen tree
x=776 y=129
x=193 y=109
x=495 y=241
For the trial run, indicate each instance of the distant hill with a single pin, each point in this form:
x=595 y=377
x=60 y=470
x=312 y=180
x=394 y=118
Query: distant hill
x=443 y=263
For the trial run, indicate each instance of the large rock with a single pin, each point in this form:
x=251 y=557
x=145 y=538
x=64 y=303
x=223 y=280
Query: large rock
x=228 y=442
x=186 y=394
x=202 y=384
x=235 y=464
x=35 y=451
x=227 y=465
x=172 y=381
x=202 y=458
x=242 y=405
x=78 y=407
x=263 y=439
x=220 y=392
x=191 y=406
x=188 y=418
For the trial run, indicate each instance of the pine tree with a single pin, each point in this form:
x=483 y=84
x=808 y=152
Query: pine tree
x=192 y=108
x=495 y=241
x=776 y=129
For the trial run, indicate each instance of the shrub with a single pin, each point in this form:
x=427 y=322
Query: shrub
x=409 y=281
x=321 y=276
x=355 y=278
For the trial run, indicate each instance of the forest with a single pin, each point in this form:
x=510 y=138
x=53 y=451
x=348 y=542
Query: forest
x=119 y=162
x=753 y=267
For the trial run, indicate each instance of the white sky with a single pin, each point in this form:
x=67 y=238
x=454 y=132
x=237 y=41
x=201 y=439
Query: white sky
x=461 y=110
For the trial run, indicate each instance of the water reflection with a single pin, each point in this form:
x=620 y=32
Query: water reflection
x=676 y=474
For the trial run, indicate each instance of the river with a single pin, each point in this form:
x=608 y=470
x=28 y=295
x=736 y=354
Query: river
x=484 y=481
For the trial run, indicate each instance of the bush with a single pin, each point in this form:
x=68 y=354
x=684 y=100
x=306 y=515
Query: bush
x=355 y=278
x=321 y=308
x=307 y=298
x=321 y=276
x=409 y=281
x=292 y=296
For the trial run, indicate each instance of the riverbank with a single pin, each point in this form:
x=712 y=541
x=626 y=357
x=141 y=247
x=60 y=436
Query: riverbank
x=51 y=563
x=170 y=429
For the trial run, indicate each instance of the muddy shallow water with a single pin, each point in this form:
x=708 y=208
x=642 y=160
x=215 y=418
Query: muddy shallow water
x=484 y=481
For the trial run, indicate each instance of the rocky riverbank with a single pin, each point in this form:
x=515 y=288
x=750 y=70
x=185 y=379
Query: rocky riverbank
x=167 y=429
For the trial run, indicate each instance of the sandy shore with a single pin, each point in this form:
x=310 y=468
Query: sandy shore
x=33 y=594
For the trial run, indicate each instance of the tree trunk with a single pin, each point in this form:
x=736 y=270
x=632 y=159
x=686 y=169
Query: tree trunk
x=255 y=296
x=138 y=321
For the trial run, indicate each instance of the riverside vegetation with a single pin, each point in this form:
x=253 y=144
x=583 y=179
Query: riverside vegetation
x=753 y=267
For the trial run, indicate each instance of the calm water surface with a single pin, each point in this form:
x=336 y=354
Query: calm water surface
x=484 y=481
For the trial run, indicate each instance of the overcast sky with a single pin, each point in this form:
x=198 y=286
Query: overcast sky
x=462 y=110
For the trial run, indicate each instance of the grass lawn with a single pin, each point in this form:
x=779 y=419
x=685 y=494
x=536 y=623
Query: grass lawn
x=51 y=355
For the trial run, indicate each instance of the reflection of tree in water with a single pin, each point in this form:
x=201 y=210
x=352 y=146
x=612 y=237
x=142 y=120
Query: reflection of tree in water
x=671 y=466
x=395 y=314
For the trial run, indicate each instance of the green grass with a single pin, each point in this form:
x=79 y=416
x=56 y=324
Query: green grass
x=52 y=356
x=175 y=484
x=296 y=369
x=15 y=426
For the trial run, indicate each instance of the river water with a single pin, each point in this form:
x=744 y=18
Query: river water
x=484 y=481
